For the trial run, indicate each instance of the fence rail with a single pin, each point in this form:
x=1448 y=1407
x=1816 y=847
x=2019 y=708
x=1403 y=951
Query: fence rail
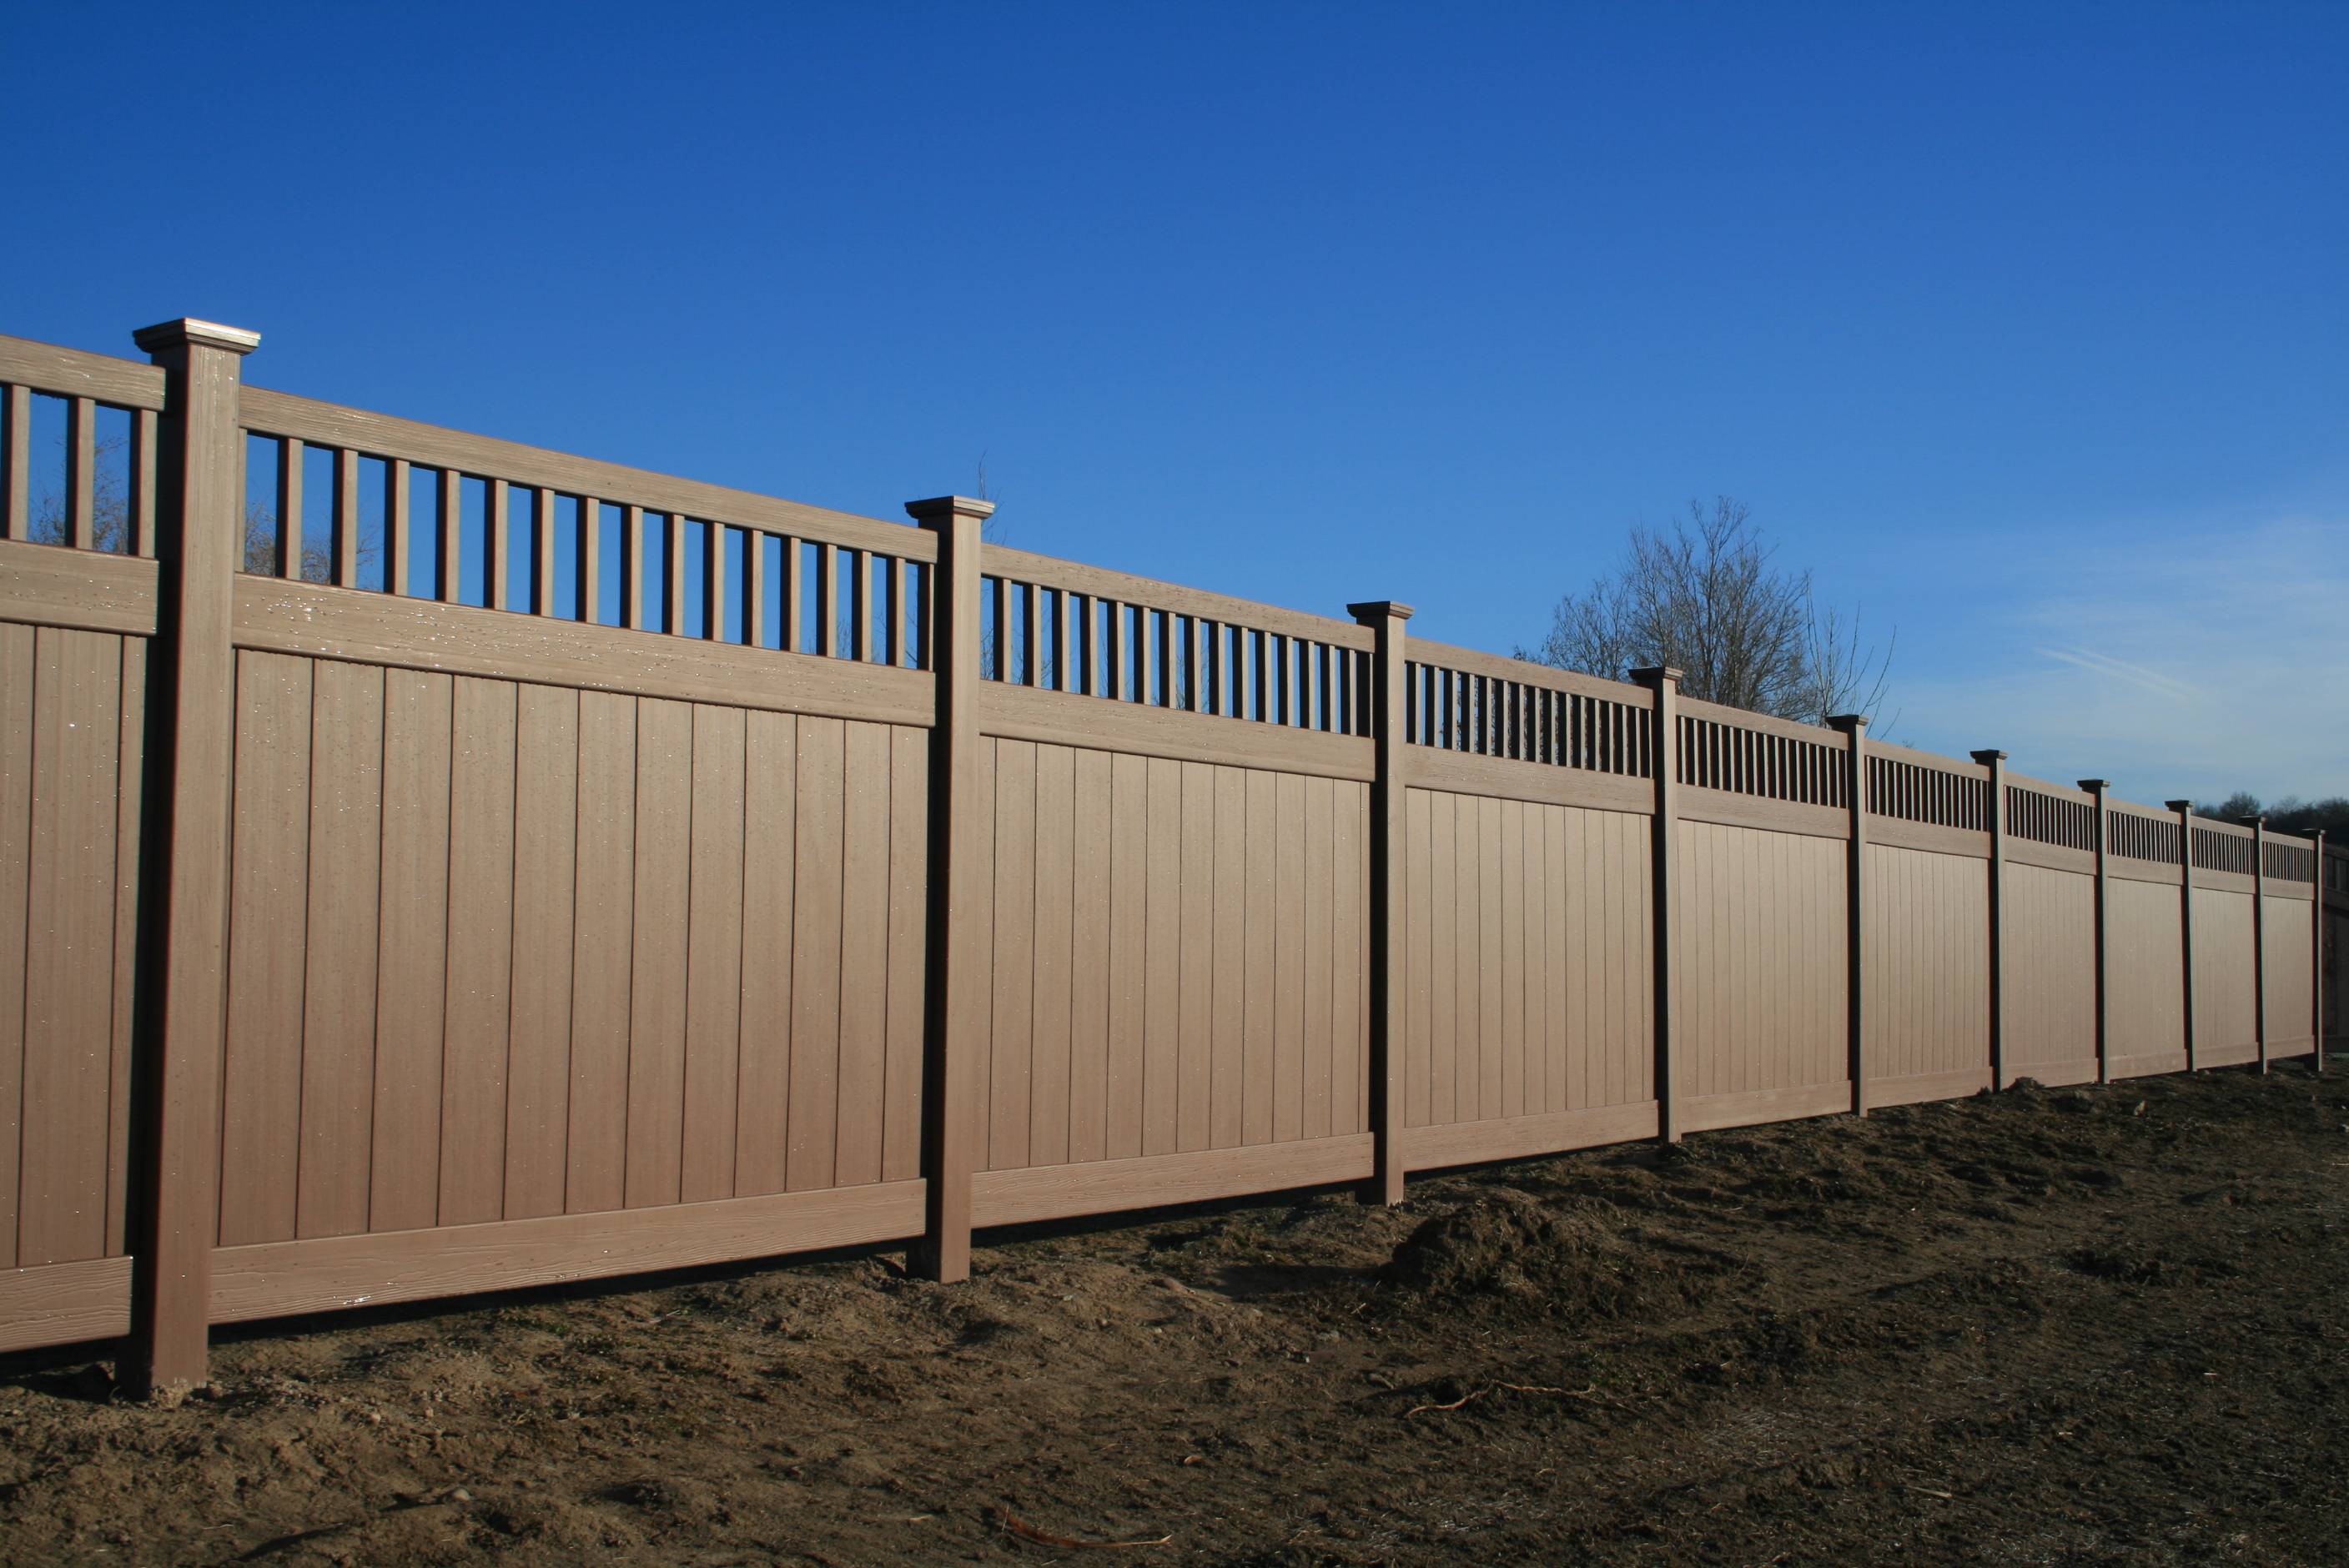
x=431 y=864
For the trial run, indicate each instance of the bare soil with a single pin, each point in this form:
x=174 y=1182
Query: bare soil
x=2046 y=1327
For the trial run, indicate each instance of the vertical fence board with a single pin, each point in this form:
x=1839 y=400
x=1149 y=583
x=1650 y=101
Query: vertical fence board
x=1256 y=1017
x=129 y=806
x=601 y=971
x=1289 y=950
x=1196 y=981
x=411 y=963
x=262 y=1088
x=1129 y=804
x=480 y=952
x=1349 y=923
x=909 y=808
x=1014 y=977
x=16 y=684
x=1162 y=942
x=1055 y=892
x=68 y=954
x=864 y=945
x=819 y=818
x=1228 y=958
x=546 y=878
x=769 y=849
x=338 y=1014
x=713 y=978
x=664 y=840
x=1320 y=895
x=1091 y=989
x=1415 y=1039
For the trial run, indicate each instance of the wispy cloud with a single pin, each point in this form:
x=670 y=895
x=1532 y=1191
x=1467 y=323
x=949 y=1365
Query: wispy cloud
x=2197 y=664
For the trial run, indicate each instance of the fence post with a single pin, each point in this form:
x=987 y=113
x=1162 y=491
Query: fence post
x=1664 y=683
x=1389 y=974
x=1995 y=761
x=2185 y=810
x=200 y=506
x=957 y=1011
x=2098 y=787
x=2259 y=827
x=2316 y=959
x=1855 y=725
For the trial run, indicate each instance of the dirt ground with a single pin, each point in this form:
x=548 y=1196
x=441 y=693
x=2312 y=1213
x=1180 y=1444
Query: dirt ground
x=2049 y=1327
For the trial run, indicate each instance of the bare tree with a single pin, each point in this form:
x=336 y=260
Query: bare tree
x=1707 y=596
x=109 y=520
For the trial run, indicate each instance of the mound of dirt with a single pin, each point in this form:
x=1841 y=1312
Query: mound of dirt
x=1509 y=1250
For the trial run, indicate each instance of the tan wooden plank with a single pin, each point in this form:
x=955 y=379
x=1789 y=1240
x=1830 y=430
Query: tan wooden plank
x=16 y=687
x=1490 y=939
x=28 y=365
x=15 y=459
x=1128 y=953
x=1163 y=958
x=1470 y=947
x=1228 y=957
x=819 y=818
x=1560 y=957
x=863 y=956
x=602 y=974
x=65 y=1303
x=398 y=526
x=338 y=1008
x=1257 y=1016
x=1050 y=1192
x=415 y=1265
x=664 y=846
x=1414 y=1037
x=411 y=963
x=1196 y=978
x=1320 y=890
x=632 y=568
x=1288 y=958
x=770 y=844
x=1512 y=869
x=131 y=748
x=43 y=586
x=713 y=959
x=1057 y=718
x=449 y=522
x=378 y=628
x=81 y=473
x=909 y=796
x=1013 y=992
x=545 y=885
x=1443 y=958
x=69 y=987
x=480 y=952
x=1090 y=989
x=1535 y=913
x=498 y=593
x=261 y=1072
x=673 y=575
x=289 y=509
x=347 y=518
x=1055 y=913
x=542 y=539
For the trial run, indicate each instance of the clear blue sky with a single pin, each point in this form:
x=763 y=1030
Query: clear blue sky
x=2027 y=326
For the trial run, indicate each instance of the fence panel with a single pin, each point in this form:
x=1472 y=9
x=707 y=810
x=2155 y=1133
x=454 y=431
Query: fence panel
x=1928 y=982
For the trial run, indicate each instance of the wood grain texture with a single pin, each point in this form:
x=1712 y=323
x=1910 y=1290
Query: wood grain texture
x=41 y=584
x=1058 y=1192
x=2146 y=952
x=1928 y=955
x=2051 y=979
x=2290 y=975
x=664 y=801
x=813 y=1129
x=1762 y=929
x=769 y=897
x=601 y=969
x=70 y=921
x=64 y=1304
x=480 y=952
x=713 y=991
x=412 y=954
x=545 y=888
x=268 y=902
x=341 y=951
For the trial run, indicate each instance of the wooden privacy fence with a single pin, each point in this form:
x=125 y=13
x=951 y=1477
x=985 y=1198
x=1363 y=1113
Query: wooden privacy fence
x=430 y=865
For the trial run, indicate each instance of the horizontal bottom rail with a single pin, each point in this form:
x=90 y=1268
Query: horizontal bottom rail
x=1710 y=1112
x=2150 y=1065
x=1912 y=1089
x=1158 y=1181
x=58 y=1304
x=2057 y=1075
x=2227 y=1056
x=274 y=1279
x=1518 y=1137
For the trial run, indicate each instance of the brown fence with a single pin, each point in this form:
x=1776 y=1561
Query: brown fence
x=430 y=865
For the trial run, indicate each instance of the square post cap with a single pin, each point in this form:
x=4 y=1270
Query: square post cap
x=1370 y=612
x=1988 y=755
x=1852 y=721
x=2095 y=786
x=2256 y=821
x=2186 y=806
x=945 y=506
x=189 y=333
x=1655 y=675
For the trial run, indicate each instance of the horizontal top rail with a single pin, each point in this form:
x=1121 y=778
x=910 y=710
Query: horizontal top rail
x=1894 y=752
x=282 y=415
x=1099 y=583
x=1525 y=672
x=1764 y=722
x=73 y=373
x=2042 y=787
